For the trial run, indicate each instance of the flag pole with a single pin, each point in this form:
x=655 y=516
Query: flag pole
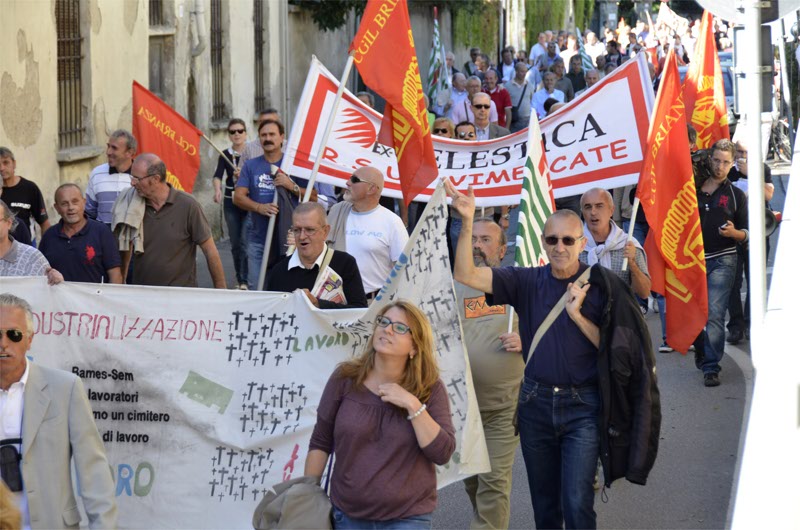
x=634 y=211
x=329 y=127
x=218 y=150
x=262 y=275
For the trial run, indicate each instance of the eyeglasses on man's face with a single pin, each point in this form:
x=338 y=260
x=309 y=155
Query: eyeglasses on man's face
x=567 y=240
x=466 y=134
x=356 y=180
x=14 y=335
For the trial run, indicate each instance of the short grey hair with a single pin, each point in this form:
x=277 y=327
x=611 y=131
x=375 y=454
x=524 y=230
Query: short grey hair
x=8 y=301
x=130 y=140
x=308 y=207
x=490 y=221
x=5 y=152
x=8 y=214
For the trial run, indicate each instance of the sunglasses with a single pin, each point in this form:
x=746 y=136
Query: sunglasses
x=484 y=107
x=139 y=179
x=567 y=240
x=15 y=335
x=464 y=134
x=236 y=131
x=397 y=327
x=441 y=131
x=355 y=180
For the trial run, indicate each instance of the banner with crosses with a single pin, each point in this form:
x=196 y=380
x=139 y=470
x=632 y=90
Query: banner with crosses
x=207 y=398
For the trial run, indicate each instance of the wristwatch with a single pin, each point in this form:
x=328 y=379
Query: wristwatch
x=507 y=216
x=296 y=189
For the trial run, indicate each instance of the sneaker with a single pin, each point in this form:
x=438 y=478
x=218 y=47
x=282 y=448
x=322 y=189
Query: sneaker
x=665 y=348
x=735 y=336
x=691 y=347
x=711 y=379
x=243 y=287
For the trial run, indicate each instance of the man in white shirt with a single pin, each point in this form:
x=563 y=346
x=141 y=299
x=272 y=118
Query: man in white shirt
x=548 y=91
x=363 y=228
x=540 y=48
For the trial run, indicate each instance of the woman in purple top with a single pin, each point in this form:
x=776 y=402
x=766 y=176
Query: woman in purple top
x=386 y=415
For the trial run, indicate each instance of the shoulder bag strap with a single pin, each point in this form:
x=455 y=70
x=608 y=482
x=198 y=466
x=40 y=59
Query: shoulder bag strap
x=324 y=265
x=523 y=94
x=552 y=315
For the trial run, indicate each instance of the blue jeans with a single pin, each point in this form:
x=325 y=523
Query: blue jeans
x=560 y=439
x=719 y=277
x=255 y=253
x=415 y=522
x=236 y=220
x=640 y=231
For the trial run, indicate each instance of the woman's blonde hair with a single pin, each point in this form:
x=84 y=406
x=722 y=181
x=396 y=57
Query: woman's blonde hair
x=421 y=371
x=438 y=123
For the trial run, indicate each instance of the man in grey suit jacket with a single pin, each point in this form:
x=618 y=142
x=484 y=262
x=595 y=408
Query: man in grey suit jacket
x=486 y=130
x=49 y=411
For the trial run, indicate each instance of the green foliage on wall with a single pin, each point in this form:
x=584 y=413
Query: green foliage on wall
x=476 y=24
x=584 y=9
x=330 y=15
x=541 y=15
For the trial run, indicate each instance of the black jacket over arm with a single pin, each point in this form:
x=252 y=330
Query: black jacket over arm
x=630 y=419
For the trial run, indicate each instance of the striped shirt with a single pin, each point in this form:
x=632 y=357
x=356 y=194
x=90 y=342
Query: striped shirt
x=102 y=192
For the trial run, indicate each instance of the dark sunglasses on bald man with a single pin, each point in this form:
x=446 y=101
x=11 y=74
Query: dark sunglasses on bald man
x=567 y=240
x=14 y=335
x=355 y=180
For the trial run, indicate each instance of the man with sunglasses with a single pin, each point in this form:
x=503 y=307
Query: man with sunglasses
x=496 y=372
x=371 y=233
x=314 y=264
x=464 y=110
x=565 y=414
x=47 y=421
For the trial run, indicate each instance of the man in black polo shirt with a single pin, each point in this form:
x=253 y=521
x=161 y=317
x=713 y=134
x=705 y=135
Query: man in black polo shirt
x=82 y=249
x=570 y=406
x=305 y=269
x=723 y=219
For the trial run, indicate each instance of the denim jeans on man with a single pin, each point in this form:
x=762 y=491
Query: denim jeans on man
x=414 y=522
x=236 y=220
x=560 y=441
x=255 y=252
x=719 y=277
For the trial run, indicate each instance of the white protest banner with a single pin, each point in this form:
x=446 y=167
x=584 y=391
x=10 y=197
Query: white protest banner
x=597 y=139
x=206 y=398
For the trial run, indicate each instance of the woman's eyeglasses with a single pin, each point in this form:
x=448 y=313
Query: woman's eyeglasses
x=397 y=327
x=235 y=131
x=441 y=131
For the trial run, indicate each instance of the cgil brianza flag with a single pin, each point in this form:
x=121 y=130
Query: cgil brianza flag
x=674 y=245
x=704 y=91
x=535 y=202
x=161 y=130
x=384 y=53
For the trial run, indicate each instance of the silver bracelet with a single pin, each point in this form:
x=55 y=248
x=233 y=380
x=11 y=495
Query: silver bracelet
x=417 y=413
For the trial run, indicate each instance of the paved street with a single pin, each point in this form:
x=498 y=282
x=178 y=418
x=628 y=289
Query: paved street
x=691 y=483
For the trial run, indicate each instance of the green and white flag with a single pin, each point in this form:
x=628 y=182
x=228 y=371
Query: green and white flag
x=536 y=202
x=438 y=80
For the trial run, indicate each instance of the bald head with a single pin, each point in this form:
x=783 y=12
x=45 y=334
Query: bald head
x=370 y=174
x=152 y=165
x=481 y=98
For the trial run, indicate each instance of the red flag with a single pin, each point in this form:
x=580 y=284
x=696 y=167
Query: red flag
x=674 y=246
x=704 y=90
x=387 y=61
x=161 y=130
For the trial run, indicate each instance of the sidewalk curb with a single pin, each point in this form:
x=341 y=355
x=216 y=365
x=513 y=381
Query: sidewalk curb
x=744 y=361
